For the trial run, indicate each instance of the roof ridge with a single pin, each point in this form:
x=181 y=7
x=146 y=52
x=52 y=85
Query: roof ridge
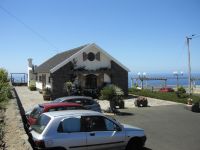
x=73 y=48
x=47 y=65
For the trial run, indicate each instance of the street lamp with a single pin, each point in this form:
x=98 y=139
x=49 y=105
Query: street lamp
x=188 y=38
x=177 y=77
x=142 y=77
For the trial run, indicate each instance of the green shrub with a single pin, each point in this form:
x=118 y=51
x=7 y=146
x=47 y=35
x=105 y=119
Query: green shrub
x=114 y=94
x=3 y=76
x=170 y=96
x=111 y=92
x=5 y=89
x=181 y=92
x=32 y=85
x=68 y=87
x=47 y=94
x=46 y=91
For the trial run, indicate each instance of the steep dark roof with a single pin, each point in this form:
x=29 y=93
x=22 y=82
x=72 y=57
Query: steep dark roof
x=57 y=59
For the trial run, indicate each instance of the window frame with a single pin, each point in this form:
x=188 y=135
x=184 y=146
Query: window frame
x=85 y=128
x=60 y=126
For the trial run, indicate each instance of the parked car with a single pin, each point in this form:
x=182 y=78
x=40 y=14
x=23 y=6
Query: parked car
x=47 y=107
x=86 y=102
x=81 y=130
x=166 y=89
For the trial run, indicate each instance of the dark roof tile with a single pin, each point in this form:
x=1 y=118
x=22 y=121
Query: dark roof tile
x=57 y=59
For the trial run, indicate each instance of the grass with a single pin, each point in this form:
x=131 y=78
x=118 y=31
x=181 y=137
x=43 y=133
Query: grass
x=170 y=96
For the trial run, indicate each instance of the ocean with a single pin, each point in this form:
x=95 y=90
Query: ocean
x=171 y=80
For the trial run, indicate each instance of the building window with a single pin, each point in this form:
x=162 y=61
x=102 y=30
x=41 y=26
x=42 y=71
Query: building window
x=40 y=78
x=36 y=78
x=49 y=80
x=91 y=56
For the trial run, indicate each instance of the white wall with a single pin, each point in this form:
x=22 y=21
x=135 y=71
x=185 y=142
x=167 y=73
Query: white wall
x=29 y=75
x=48 y=85
x=39 y=83
x=107 y=78
x=93 y=65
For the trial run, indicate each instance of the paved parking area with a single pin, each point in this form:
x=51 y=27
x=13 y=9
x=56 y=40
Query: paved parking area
x=29 y=98
x=167 y=127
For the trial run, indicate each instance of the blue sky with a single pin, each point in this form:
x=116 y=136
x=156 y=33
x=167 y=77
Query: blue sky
x=145 y=35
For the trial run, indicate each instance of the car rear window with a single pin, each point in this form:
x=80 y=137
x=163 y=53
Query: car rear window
x=37 y=111
x=41 y=123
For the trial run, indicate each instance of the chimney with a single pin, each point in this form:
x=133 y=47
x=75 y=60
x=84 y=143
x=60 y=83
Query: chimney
x=30 y=62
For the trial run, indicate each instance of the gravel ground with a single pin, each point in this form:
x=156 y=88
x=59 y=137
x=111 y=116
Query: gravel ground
x=13 y=129
x=29 y=98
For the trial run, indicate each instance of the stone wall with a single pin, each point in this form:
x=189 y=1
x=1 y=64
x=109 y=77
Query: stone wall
x=59 y=78
x=119 y=77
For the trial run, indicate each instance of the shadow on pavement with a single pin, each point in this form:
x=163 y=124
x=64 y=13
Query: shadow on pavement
x=131 y=96
x=145 y=148
x=124 y=114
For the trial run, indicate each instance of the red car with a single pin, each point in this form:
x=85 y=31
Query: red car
x=47 y=107
x=166 y=89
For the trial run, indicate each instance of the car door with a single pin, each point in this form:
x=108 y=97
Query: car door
x=103 y=133
x=70 y=135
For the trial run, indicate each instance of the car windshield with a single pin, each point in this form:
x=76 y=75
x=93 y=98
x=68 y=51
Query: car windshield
x=37 y=111
x=41 y=123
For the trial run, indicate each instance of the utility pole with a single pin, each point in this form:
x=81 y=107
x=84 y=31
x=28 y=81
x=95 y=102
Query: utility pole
x=189 y=65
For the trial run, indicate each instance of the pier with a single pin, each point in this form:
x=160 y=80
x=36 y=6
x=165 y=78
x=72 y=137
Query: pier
x=139 y=81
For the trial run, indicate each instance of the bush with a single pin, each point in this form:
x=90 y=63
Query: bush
x=68 y=88
x=114 y=94
x=46 y=94
x=5 y=89
x=32 y=85
x=171 y=96
x=181 y=92
x=111 y=92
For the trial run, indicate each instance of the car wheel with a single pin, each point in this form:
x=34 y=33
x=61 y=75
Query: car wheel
x=134 y=144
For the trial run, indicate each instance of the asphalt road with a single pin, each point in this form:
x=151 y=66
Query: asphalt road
x=166 y=127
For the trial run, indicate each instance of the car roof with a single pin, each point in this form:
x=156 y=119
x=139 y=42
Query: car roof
x=74 y=97
x=66 y=113
x=54 y=105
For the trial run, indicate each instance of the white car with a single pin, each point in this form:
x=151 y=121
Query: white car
x=84 y=130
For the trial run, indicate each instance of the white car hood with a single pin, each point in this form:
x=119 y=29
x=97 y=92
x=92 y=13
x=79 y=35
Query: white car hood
x=131 y=128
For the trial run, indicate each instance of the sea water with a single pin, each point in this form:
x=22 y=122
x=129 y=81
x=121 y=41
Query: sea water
x=171 y=80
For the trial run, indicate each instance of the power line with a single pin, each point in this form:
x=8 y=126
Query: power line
x=29 y=27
